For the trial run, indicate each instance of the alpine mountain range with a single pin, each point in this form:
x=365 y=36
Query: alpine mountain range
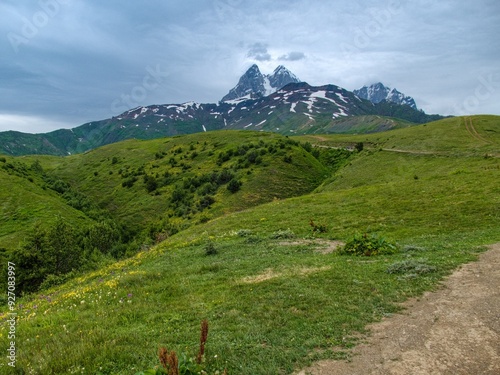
x=277 y=102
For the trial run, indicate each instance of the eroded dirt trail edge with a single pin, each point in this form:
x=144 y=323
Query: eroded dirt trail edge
x=453 y=331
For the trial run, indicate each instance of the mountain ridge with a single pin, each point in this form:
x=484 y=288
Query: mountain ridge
x=378 y=92
x=296 y=108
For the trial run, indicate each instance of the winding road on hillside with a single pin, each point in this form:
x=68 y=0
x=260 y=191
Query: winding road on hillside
x=453 y=331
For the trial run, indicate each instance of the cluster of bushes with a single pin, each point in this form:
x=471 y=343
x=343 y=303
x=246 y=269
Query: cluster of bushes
x=195 y=194
x=131 y=176
x=16 y=169
x=252 y=153
x=242 y=157
x=49 y=254
x=246 y=155
x=74 y=198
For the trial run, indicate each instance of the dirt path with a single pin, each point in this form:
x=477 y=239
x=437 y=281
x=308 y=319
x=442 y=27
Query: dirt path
x=453 y=331
x=472 y=130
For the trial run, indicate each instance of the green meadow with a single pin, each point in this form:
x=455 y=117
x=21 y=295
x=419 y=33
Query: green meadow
x=261 y=263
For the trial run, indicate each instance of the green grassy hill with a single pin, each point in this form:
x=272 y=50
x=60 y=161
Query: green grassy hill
x=276 y=294
x=160 y=184
x=359 y=125
x=464 y=135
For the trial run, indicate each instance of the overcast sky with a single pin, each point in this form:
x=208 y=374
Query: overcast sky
x=67 y=62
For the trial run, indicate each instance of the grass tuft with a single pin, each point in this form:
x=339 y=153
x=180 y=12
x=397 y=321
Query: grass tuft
x=282 y=234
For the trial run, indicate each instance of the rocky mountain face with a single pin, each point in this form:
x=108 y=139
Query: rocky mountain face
x=296 y=108
x=253 y=84
x=377 y=93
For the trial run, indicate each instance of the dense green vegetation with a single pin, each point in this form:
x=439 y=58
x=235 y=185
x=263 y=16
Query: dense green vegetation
x=264 y=271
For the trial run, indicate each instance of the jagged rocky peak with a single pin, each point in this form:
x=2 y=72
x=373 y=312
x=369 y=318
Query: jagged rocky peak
x=282 y=77
x=253 y=84
x=378 y=92
x=250 y=85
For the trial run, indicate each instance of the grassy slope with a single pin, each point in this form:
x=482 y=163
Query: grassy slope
x=447 y=136
x=274 y=307
x=359 y=125
x=25 y=202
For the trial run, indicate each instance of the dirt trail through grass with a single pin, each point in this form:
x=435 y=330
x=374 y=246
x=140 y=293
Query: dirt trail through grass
x=472 y=130
x=453 y=331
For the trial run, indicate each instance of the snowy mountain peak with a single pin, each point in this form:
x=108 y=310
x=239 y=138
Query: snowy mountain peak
x=253 y=71
x=282 y=77
x=378 y=92
x=253 y=84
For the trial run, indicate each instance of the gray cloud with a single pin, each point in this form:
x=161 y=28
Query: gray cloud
x=258 y=51
x=293 y=56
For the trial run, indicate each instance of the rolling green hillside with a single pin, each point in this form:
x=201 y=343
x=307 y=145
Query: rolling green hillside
x=163 y=184
x=359 y=125
x=463 y=135
x=275 y=292
x=187 y=164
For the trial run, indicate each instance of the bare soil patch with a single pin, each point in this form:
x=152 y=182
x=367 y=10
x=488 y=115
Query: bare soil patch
x=321 y=245
x=269 y=274
x=453 y=331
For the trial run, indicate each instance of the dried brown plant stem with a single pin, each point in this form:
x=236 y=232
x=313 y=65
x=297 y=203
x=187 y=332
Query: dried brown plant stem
x=173 y=364
x=163 y=355
x=203 y=340
x=169 y=361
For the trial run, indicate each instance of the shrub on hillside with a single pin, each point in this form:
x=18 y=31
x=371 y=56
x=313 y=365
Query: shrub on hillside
x=151 y=183
x=205 y=202
x=282 y=234
x=129 y=182
x=234 y=185
x=210 y=248
x=368 y=245
x=102 y=236
x=318 y=227
x=244 y=232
